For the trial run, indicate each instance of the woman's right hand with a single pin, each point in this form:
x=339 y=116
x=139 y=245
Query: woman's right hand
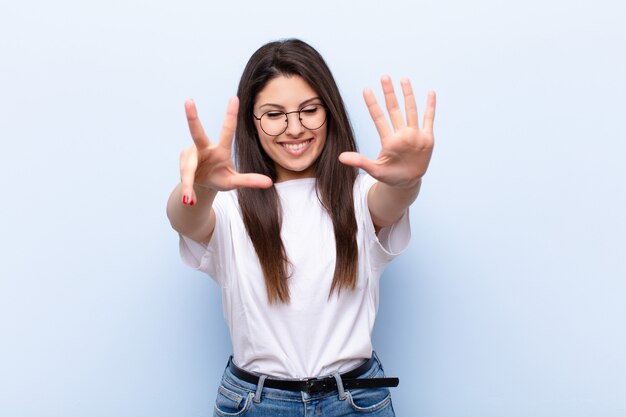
x=209 y=164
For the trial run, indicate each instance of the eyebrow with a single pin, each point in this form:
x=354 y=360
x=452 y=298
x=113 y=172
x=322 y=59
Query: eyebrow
x=281 y=107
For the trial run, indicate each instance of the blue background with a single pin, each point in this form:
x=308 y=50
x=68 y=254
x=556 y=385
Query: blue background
x=511 y=299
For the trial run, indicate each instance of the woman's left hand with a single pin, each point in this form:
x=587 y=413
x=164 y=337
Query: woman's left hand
x=406 y=148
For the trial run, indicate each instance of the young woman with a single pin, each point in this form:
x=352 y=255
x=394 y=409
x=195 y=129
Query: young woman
x=296 y=238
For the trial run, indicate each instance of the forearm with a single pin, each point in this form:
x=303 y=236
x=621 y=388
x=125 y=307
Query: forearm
x=387 y=203
x=196 y=221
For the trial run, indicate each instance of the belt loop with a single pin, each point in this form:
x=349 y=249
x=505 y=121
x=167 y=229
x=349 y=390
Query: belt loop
x=342 y=394
x=259 y=389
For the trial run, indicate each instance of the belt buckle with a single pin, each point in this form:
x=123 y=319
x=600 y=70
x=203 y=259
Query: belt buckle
x=314 y=385
x=308 y=385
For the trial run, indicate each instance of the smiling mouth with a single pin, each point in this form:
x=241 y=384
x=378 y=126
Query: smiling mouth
x=295 y=146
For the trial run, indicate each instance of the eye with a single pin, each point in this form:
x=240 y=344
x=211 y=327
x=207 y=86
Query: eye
x=274 y=115
x=309 y=110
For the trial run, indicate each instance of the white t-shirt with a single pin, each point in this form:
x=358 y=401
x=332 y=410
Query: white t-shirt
x=312 y=335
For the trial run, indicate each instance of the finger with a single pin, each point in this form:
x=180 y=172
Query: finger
x=251 y=181
x=429 y=113
x=376 y=113
x=230 y=123
x=355 y=159
x=195 y=127
x=395 y=114
x=188 y=165
x=409 y=103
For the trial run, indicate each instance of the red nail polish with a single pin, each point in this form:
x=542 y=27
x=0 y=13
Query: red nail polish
x=185 y=199
x=191 y=203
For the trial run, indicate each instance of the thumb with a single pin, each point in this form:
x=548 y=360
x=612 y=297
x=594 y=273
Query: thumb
x=355 y=159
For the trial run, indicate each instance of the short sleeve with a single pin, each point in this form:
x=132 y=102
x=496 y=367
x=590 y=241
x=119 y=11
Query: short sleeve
x=209 y=258
x=391 y=240
x=191 y=252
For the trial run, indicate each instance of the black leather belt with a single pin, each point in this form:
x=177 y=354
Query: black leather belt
x=349 y=379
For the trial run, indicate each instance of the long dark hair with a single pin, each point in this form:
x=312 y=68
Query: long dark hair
x=261 y=207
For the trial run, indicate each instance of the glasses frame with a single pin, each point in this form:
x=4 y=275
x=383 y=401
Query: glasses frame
x=287 y=118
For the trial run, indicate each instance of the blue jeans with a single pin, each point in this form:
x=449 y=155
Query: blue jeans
x=236 y=397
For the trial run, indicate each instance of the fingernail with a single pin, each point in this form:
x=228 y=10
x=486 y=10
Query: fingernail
x=185 y=199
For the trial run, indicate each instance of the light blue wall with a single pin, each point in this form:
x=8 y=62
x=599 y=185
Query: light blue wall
x=510 y=301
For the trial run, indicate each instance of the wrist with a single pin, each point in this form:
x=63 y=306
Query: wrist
x=203 y=189
x=406 y=185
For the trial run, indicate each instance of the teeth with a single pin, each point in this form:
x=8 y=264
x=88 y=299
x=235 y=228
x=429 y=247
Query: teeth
x=295 y=146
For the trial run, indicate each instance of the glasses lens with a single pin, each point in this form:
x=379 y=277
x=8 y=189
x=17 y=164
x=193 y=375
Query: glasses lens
x=274 y=122
x=313 y=116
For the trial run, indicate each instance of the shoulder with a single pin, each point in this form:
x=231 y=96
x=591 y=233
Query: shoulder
x=225 y=202
x=363 y=184
x=227 y=197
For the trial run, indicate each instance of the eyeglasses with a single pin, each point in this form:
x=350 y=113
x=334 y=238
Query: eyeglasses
x=275 y=122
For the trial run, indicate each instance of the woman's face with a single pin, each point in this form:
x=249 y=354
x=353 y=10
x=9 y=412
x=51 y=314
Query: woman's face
x=296 y=149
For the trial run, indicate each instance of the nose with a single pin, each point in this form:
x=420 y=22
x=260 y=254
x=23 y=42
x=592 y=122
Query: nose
x=294 y=125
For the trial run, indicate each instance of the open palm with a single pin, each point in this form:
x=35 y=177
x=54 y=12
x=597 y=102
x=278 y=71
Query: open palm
x=210 y=164
x=405 y=147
